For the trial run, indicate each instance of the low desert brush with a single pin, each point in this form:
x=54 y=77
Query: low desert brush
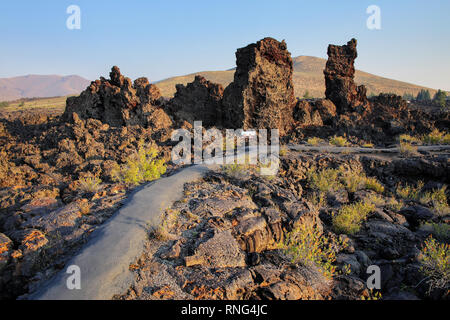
x=437 y=199
x=407 y=149
x=306 y=244
x=350 y=217
x=89 y=183
x=436 y=137
x=373 y=184
x=409 y=192
x=325 y=180
x=353 y=180
x=314 y=141
x=140 y=167
x=339 y=141
x=435 y=264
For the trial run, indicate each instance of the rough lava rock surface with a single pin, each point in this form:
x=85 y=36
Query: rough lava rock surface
x=118 y=102
x=198 y=100
x=262 y=93
x=339 y=78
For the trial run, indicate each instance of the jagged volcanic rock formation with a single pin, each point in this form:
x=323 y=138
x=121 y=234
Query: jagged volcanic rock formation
x=262 y=93
x=339 y=74
x=118 y=102
x=198 y=100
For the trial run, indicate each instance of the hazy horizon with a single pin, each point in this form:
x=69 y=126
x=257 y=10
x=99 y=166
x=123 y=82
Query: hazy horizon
x=162 y=40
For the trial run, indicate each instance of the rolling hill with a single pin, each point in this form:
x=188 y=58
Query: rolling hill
x=308 y=75
x=34 y=86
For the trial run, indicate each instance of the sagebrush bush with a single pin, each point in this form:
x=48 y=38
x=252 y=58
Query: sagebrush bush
x=353 y=180
x=140 y=167
x=350 y=217
x=407 y=149
x=410 y=192
x=373 y=184
x=436 y=137
x=339 y=141
x=314 y=141
x=325 y=180
x=89 y=183
x=306 y=244
x=438 y=200
x=435 y=264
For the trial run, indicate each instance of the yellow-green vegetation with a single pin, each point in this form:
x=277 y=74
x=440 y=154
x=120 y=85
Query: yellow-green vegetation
x=394 y=205
x=438 y=199
x=435 y=263
x=408 y=138
x=367 y=145
x=325 y=180
x=409 y=192
x=373 y=184
x=407 y=149
x=234 y=170
x=377 y=200
x=143 y=165
x=314 y=141
x=372 y=295
x=339 y=141
x=306 y=244
x=283 y=151
x=436 y=137
x=350 y=217
x=328 y=180
x=89 y=183
x=353 y=180
x=440 y=231
x=317 y=199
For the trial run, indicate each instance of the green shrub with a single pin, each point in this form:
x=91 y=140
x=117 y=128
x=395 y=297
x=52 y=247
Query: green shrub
x=339 y=141
x=306 y=244
x=373 y=184
x=409 y=192
x=350 y=217
x=438 y=199
x=89 y=183
x=140 y=167
x=407 y=149
x=325 y=180
x=435 y=264
x=314 y=141
x=353 y=180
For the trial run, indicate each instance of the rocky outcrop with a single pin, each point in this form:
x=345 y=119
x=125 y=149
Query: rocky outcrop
x=262 y=93
x=198 y=100
x=339 y=74
x=118 y=102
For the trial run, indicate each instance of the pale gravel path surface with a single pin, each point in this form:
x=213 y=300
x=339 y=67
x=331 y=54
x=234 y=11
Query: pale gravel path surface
x=104 y=260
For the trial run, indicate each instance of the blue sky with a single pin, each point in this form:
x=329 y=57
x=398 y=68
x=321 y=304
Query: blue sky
x=160 y=39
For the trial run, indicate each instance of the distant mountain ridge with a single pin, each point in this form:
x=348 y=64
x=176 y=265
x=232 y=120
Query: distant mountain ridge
x=308 y=76
x=37 y=86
